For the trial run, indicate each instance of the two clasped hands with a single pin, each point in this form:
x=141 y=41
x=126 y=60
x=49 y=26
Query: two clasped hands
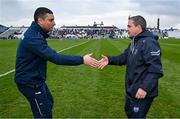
x=89 y=60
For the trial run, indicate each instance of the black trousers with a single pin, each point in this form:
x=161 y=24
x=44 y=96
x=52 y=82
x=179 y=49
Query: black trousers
x=136 y=108
x=40 y=99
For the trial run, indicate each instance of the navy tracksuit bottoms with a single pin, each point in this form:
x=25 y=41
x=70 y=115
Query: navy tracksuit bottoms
x=40 y=99
x=136 y=108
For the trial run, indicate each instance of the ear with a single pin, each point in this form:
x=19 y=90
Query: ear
x=40 y=21
x=139 y=27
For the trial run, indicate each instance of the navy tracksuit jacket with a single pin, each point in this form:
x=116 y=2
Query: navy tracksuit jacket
x=143 y=61
x=32 y=56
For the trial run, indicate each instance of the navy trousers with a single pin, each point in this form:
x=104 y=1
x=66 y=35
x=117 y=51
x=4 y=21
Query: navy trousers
x=136 y=108
x=40 y=99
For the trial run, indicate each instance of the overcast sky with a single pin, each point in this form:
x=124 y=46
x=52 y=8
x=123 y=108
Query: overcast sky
x=85 y=12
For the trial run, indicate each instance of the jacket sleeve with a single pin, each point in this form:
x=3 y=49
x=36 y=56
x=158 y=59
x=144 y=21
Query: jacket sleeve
x=152 y=58
x=118 y=60
x=150 y=82
x=39 y=47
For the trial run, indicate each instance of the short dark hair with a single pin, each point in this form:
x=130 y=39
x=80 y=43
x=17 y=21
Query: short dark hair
x=139 y=20
x=41 y=12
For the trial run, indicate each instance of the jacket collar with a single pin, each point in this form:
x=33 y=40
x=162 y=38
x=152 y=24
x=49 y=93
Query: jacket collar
x=143 y=34
x=36 y=27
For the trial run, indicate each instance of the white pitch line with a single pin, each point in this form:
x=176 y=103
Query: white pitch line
x=169 y=44
x=7 y=73
x=11 y=71
x=72 y=46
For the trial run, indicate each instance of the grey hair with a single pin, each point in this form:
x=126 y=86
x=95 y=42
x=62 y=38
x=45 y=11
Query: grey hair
x=139 y=20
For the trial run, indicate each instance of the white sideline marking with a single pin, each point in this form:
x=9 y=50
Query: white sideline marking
x=11 y=71
x=7 y=73
x=72 y=46
x=169 y=44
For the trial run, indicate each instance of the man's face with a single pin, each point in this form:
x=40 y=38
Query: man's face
x=132 y=29
x=47 y=23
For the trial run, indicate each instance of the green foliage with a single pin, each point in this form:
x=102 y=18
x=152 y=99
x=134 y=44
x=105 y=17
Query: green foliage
x=84 y=92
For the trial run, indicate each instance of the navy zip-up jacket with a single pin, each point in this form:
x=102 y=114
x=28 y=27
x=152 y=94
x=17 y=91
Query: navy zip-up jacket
x=32 y=56
x=143 y=64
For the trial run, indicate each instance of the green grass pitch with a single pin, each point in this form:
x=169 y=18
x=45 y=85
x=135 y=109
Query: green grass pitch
x=84 y=92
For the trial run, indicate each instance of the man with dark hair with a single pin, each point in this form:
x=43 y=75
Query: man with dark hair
x=143 y=61
x=41 y=12
x=31 y=62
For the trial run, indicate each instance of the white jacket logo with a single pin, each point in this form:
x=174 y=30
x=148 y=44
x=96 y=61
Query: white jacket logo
x=155 y=53
x=135 y=51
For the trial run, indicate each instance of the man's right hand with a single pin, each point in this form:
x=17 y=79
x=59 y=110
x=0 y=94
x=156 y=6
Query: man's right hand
x=88 y=60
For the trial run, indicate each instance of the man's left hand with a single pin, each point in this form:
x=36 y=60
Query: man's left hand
x=141 y=94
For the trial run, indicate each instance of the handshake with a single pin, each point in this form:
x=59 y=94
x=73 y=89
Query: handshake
x=89 y=60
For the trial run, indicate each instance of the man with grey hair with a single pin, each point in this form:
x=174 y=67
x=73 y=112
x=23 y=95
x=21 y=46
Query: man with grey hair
x=143 y=61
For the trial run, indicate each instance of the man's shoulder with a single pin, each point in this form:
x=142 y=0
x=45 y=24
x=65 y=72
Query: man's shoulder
x=148 y=40
x=31 y=33
x=31 y=37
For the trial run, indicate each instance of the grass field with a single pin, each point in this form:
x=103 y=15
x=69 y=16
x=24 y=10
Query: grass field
x=84 y=92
